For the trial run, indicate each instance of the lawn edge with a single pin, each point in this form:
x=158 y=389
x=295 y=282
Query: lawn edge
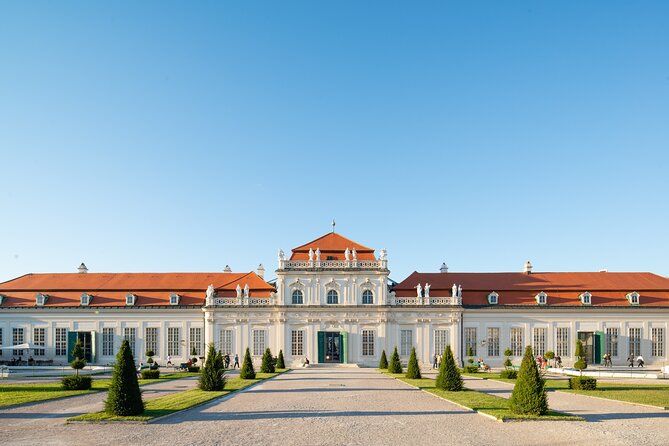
x=611 y=399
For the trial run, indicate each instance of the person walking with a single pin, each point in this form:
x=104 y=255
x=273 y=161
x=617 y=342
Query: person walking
x=630 y=361
x=236 y=366
x=434 y=361
x=639 y=361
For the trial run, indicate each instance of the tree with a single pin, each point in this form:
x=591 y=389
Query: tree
x=78 y=362
x=247 y=371
x=413 y=370
x=549 y=355
x=470 y=351
x=383 y=363
x=581 y=363
x=267 y=365
x=149 y=359
x=395 y=365
x=529 y=393
x=507 y=362
x=280 y=362
x=449 y=377
x=212 y=377
x=193 y=354
x=124 y=397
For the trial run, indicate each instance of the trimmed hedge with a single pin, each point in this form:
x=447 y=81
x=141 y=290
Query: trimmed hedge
x=280 y=362
x=508 y=374
x=529 y=393
x=76 y=382
x=383 y=362
x=150 y=374
x=582 y=383
x=395 y=365
x=194 y=369
x=470 y=369
x=413 y=370
x=247 y=371
x=449 y=377
x=124 y=397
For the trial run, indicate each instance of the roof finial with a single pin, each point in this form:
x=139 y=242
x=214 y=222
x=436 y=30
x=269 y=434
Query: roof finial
x=333 y=225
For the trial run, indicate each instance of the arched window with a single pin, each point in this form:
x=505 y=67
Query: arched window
x=333 y=297
x=367 y=297
x=298 y=297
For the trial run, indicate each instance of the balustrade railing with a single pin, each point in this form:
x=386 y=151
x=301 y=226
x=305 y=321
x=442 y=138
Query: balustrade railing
x=300 y=264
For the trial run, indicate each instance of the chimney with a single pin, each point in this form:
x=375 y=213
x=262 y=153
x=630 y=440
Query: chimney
x=604 y=270
x=261 y=271
x=444 y=268
x=528 y=268
x=227 y=269
x=82 y=268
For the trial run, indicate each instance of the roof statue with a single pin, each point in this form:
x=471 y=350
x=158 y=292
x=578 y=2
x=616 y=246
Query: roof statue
x=454 y=292
x=383 y=255
x=459 y=290
x=210 y=291
x=427 y=289
x=239 y=291
x=311 y=255
x=347 y=254
x=246 y=290
x=318 y=254
x=355 y=254
x=419 y=291
x=281 y=255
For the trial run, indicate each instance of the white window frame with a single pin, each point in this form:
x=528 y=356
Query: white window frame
x=367 y=295
x=633 y=298
x=493 y=336
x=151 y=337
x=368 y=337
x=586 y=298
x=657 y=341
x=471 y=339
x=406 y=342
x=18 y=338
x=334 y=293
x=297 y=294
x=174 y=299
x=516 y=341
x=441 y=338
x=297 y=343
x=634 y=335
x=493 y=298
x=562 y=337
x=225 y=341
x=259 y=340
x=130 y=335
x=60 y=341
x=541 y=298
x=108 y=341
x=612 y=338
x=195 y=341
x=39 y=341
x=174 y=341
x=539 y=336
x=130 y=299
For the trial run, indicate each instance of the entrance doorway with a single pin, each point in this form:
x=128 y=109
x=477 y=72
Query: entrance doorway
x=87 y=341
x=592 y=344
x=332 y=347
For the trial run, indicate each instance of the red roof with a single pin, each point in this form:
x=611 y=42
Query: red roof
x=332 y=245
x=110 y=289
x=607 y=288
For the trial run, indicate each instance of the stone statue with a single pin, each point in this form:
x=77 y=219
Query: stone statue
x=459 y=290
x=355 y=254
x=454 y=291
x=210 y=291
x=318 y=254
x=347 y=254
x=383 y=255
x=239 y=291
x=427 y=289
x=281 y=256
x=419 y=291
x=246 y=290
x=311 y=255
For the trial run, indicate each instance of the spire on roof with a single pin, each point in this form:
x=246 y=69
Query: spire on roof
x=333 y=225
x=227 y=269
x=82 y=268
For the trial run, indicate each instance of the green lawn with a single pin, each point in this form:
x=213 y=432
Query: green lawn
x=481 y=402
x=11 y=394
x=176 y=402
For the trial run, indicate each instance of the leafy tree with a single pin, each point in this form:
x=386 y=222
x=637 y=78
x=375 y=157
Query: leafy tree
x=247 y=371
x=529 y=393
x=193 y=354
x=449 y=377
x=413 y=370
x=383 y=363
x=267 y=365
x=212 y=378
x=395 y=365
x=507 y=362
x=549 y=355
x=581 y=363
x=280 y=362
x=78 y=354
x=124 y=397
x=149 y=354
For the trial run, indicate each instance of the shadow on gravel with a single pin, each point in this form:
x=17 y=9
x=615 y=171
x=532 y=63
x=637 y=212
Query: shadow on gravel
x=334 y=388
x=621 y=416
x=35 y=416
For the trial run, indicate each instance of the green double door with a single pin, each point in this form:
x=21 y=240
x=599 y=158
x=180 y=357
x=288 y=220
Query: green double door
x=87 y=341
x=332 y=347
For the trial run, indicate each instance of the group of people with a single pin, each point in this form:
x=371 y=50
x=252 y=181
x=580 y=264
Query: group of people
x=639 y=361
x=436 y=361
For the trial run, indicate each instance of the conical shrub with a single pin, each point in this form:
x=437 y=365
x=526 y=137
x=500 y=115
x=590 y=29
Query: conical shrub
x=529 y=393
x=211 y=377
x=383 y=363
x=449 y=377
x=413 y=370
x=124 y=397
x=247 y=371
x=280 y=362
x=267 y=365
x=395 y=365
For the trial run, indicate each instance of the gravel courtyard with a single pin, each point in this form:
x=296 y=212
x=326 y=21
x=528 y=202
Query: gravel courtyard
x=325 y=406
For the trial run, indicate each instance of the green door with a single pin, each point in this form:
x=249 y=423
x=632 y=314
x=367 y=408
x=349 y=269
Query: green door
x=321 y=347
x=600 y=346
x=344 y=348
x=71 y=341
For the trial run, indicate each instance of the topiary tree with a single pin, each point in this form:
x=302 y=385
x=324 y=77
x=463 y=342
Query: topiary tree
x=267 y=365
x=581 y=363
x=529 y=393
x=247 y=371
x=395 y=365
x=549 y=356
x=507 y=362
x=78 y=362
x=124 y=397
x=383 y=363
x=449 y=377
x=212 y=378
x=413 y=371
x=280 y=362
x=193 y=354
x=470 y=351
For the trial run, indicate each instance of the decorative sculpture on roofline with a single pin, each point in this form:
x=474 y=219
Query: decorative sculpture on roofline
x=427 y=289
x=419 y=291
x=355 y=254
x=210 y=291
x=239 y=291
x=311 y=255
x=281 y=255
x=347 y=254
x=454 y=291
x=383 y=255
x=246 y=290
x=318 y=254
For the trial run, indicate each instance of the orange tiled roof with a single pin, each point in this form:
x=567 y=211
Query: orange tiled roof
x=607 y=288
x=332 y=245
x=110 y=289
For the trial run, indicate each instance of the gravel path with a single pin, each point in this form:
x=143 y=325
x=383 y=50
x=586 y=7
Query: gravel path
x=320 y=406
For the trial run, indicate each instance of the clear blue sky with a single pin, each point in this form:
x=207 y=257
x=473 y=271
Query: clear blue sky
x=184 y=136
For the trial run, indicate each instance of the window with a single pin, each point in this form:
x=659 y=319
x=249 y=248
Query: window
x=151 y=340
x=493 y=341
x=40 y=299
x=85 y=299
x=633 y=298
x=333 y=297
x=17 y=338
x=367 y=342
x=225 y=341
x=440 y=341
x=635 y=341
x=298 y=297
x=586 y=298
x=539 y=340
x=612 y=341
x=130 y=335
x=173 y=341
x=258 y=342
x=39 y=340
x=195 y=346
x=130 y=299
x=108 y=341
x=367 y=297
x=470 y=341
x=541 y=298
x=562 y=341
x=406 y=342
x=174 y=299
x=493 y=298
x=517 y=341
x=297 y=343
x=657 y=341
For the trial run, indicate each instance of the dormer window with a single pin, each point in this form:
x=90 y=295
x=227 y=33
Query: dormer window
x=2 y=299
x=586 y=298
x=40 y=299
x=174 y=299
x=633 y=298
x=130 y=299
x=86 y=299
x=493 y=298
x=541 y=298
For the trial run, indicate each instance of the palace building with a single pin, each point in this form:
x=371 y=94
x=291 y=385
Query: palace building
x=332 y=301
